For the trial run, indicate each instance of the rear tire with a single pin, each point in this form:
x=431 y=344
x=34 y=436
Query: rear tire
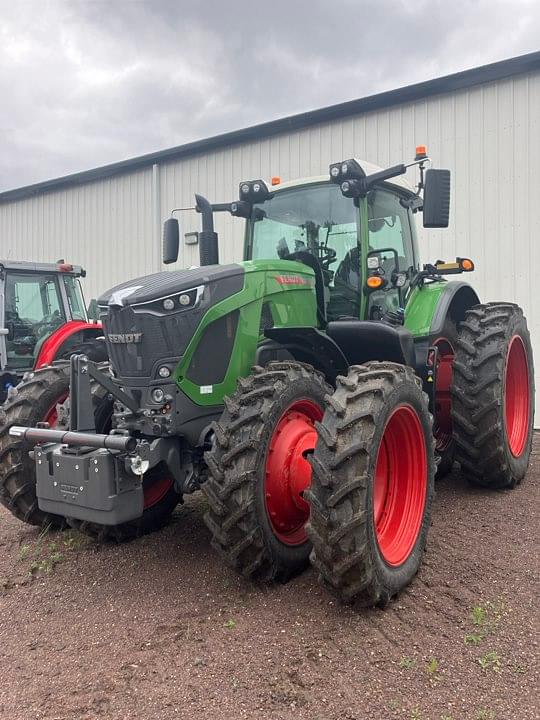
x=36 y=400
x=257 y=470
x=372 y=485
x=493 y=396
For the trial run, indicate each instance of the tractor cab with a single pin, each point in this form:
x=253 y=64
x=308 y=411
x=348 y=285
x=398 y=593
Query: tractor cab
x=41 y=311
x=341 y=238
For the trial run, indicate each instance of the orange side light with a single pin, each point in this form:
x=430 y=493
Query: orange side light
x=466 y=264
x=276 y=180
x=421 y=152
x=374 y=282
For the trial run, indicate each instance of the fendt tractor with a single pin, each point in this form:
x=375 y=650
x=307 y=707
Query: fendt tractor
x=309 y=391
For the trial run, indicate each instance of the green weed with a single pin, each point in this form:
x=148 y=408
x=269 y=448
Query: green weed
x=432 y=666
x=407 y=663
x=490 y=661
x=230 y=624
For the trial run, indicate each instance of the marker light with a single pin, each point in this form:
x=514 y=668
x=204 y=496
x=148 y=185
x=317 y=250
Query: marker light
x=65 y=267
x=466 y=264
x=276 y=180
x=374 y=282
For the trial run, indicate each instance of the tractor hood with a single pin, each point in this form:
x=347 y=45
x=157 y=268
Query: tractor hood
x=162 y=285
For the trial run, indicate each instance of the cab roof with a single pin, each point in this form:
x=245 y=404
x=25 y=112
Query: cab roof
x=33 y=267
x=368 y=167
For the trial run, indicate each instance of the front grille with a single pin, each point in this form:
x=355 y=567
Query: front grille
x=161 y=337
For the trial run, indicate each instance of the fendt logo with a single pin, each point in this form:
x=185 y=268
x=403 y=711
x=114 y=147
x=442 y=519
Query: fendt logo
x=125 y=338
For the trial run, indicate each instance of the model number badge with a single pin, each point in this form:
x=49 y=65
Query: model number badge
x=125 y=338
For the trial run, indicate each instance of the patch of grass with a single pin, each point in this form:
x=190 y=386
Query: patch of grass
x=478 y=615
x=519 y=668
x=230 y=624
x=416 y=713
x=490 y=661
x=447 y=717
x=407 y=663
x=24 y=552
x=432 y=667
x=485 y=714
x=474 y=638
x=46 y=564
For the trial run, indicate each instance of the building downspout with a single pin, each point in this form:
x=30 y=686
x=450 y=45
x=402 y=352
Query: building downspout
x=156 y=214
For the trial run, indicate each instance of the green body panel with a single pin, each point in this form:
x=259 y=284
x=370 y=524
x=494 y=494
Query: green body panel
x=421 y=306
x=288 y=288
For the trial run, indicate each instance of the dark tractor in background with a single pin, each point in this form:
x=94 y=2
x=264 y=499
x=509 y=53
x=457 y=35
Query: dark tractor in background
x=309 y=391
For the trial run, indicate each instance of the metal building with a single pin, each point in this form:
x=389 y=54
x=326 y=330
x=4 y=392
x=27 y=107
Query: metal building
x=483 y=124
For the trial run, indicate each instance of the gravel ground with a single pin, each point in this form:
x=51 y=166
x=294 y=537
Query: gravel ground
x=160 y=628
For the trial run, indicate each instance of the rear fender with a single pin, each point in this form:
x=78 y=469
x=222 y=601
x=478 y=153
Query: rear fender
x=52 y=347
x=430 y=305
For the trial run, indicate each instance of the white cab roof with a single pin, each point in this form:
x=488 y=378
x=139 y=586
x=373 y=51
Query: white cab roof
x=369 y=169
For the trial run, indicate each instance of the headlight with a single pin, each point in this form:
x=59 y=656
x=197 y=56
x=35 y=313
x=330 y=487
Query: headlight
x=164 y=371
x=168 y=304
x=344 y=168
x=334 y=171
x=158 y=396
x=184 y=299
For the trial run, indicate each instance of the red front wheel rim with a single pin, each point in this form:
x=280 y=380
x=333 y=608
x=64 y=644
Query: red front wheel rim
x=443 y=401
x=288 y=473
x=400 y=485
x=517 y=394
x=156 y=490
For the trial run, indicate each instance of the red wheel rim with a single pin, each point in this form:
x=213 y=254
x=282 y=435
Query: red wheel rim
x=400 y=485
x=288 y=473
x=51 y=416
x=517 y=396
x=156 y=490
x=443 y=401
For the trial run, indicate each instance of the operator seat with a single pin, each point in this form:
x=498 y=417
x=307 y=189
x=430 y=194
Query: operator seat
x=364 y=340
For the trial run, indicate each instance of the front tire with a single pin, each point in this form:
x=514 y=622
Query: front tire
x=258 y=470
x=372 y=485
x=493 y=396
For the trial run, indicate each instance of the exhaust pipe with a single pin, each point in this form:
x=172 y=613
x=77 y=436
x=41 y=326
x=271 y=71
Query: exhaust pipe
x=208 y=239
x=123 y=443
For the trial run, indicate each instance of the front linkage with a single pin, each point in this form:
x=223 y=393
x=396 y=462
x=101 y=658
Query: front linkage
x=97 y=477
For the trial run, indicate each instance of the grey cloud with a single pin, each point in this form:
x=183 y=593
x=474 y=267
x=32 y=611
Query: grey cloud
x=87 y=83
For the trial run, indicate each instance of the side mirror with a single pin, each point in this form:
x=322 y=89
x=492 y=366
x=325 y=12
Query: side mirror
x=436 y=198
x=171 y=240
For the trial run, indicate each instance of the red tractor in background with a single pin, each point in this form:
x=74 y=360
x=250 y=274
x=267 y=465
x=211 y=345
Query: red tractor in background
x=43 y=319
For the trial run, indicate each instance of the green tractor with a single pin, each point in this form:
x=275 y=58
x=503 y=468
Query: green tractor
x=310 y=391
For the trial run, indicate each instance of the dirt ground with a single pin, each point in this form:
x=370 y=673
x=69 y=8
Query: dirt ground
x=160 y=628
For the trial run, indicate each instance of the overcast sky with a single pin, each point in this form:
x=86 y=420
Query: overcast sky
x=85 y=83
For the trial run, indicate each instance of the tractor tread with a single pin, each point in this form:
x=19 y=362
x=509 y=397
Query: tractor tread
x=233 y=464
x=478 y=395
x=339 y=526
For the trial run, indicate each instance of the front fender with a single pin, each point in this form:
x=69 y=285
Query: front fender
x=52 y=345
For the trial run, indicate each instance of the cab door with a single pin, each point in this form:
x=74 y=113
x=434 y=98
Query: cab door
x=390 y=250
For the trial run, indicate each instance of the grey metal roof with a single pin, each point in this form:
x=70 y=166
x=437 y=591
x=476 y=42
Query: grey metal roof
x=30 y=267
x=448 y=83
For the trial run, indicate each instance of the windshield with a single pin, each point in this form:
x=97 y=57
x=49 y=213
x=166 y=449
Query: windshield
x=75 y=298
x=316 y=219
x=33 y=310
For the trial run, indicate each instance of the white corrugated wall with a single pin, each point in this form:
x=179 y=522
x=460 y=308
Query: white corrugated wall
x=488 y=135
